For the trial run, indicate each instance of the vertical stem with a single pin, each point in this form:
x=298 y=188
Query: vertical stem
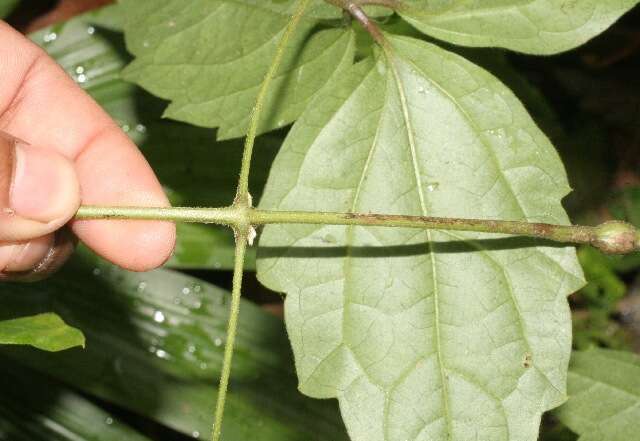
x=238 y=269
x=243 y=185
x=242 y=229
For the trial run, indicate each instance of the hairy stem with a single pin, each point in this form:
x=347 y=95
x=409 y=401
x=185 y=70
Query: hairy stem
x=600 y=236
x=243 y=185
x=236 y=215
x=238 y=270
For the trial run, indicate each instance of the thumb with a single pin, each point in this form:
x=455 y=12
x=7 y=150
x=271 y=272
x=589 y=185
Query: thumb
x=39 y=190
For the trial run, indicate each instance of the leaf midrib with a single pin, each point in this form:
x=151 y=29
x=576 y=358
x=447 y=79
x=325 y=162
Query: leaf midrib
x=436 y=298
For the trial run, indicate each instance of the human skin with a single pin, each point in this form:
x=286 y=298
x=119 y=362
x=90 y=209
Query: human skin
x=59 y=149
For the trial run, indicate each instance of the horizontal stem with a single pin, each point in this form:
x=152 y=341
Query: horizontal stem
x=229 y=216
x=616 y=237
x=561 y=233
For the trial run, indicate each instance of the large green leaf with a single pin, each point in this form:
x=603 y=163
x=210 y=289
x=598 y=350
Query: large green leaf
x=209 y=58
x=154 y=346
x=43 y=331
x=423 y=335
x=185 y=158
x=604 y=396
x=35 y=408
x=531 y=26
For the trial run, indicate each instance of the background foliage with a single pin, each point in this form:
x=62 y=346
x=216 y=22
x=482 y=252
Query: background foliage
x=154 y=341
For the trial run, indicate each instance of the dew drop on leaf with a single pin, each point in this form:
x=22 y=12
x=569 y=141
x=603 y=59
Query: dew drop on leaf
x=158 y=317
x=51 y=36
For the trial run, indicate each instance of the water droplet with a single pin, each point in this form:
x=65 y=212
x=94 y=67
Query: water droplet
x=8 y=211
x=126 y=128
x=217 y=341
x=141 y=128
x=203 y=366
x=152 y=349
x=145 y=44
x=158 y=317
x=51 y=36
x=108 y=421
x=197 y=288
x=186 y=290
x=142 y=286
x=171 y=23
x=433 y=186
x=96 y=271
x=195 y=434
x=176 y=301
x=91 y=30
x=217 y=265
x=191 y=349
x=160 y=353
x=421 y=89
x=281 y=123
x=79 y=69
x=82 y=78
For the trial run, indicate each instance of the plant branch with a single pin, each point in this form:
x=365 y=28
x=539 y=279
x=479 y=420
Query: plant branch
x=238 y=270
x=243 y=185
x=611 y=237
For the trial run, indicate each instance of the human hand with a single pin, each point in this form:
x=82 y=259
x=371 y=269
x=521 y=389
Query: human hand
x=75 y=153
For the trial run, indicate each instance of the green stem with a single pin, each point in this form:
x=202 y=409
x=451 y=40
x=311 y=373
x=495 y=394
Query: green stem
x=237 y=216
x=243 y=185
x=229 y=216
x=600 y=236
x=238 y=270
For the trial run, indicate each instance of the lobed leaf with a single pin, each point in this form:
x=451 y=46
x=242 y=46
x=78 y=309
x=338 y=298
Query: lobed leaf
x=186 y=159
x=423 y=335
x=604 y=395
x=539 y=27
x=43 y=331
x=209 y=58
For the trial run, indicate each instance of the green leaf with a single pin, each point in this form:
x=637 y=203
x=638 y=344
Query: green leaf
x=209 y=58
x=43 y=331
x=155 y=344
x=185 y=158
x=530 y=26
x=35 y=408
x=7 y=6
x=604 y=396
x=423 y=334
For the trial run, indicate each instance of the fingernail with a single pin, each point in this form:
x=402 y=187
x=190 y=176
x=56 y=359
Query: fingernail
x=26 y=256
x=44 y=186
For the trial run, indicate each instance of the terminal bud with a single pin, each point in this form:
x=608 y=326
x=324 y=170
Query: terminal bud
x=616 y=237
